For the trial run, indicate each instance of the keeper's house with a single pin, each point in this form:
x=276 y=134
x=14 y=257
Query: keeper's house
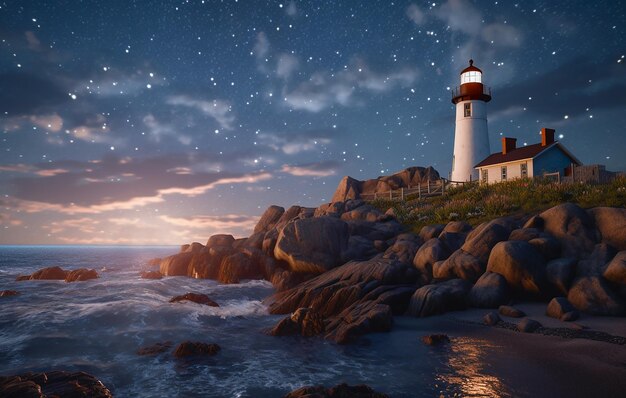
x=547 y=158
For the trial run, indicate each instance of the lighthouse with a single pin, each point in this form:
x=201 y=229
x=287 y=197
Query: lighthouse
x=471 y=140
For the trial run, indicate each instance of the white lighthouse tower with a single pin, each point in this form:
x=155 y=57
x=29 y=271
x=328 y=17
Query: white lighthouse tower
x=471 y=140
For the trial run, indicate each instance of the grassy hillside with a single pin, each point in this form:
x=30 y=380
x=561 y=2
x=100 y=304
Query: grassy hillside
x=477 y=203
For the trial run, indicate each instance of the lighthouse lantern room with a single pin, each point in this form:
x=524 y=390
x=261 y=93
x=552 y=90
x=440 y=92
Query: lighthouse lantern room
x=471 y=139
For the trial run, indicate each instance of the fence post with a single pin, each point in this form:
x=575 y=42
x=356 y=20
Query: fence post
x=443 y=186
x=429 y=186
x=374 y=195
x=390 y=194
x=419 y=191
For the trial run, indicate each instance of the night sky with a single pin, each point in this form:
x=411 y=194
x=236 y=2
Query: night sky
x=145 y=122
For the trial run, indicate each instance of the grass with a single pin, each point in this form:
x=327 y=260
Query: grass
x=477 y=203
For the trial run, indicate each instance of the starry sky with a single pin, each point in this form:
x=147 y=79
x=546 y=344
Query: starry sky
x=163 y=122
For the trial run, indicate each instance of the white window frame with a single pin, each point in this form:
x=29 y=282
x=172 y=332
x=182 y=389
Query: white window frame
x=503 y=173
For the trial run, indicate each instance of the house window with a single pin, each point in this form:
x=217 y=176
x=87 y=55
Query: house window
x=484 y=173
x=468 y=109
x=523 y=168
x=503 y=171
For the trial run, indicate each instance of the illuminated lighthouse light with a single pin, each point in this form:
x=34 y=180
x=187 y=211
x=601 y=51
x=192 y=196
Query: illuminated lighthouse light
x=471 y=77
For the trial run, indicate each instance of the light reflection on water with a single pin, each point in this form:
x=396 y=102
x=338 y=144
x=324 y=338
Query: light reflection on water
x=467 y=373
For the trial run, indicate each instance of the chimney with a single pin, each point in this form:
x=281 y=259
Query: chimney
x=508 y=144
x=547 y=136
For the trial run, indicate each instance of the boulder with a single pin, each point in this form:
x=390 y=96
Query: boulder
x=439 y=298
x=431 y=231
x=356 y=298
x=49 y=273
x=404 y=248
x=9 y=293
x=528 y=325
x=333 y=209
x=239 y=266
x=560 y=273
x=364 y=213
x=81 y=274
x=155 y=349
x=481 y=240
x=304 y=321
x=595 y=264
x=220 y=240
x=176 y=265
x=548 y=246
x=510 y=311
x=491 y=319
x=535 y=222
x=457 y=227
x=460 y=264
x=520 y=264
x=198 y=298
x=269 y=241
x=348 y=188
x=453 y=240
x=53 y=384
x=269 y=218
x=358 y=319
x=255 y=240
x=573 y=227
x=611 y=223
x=151 y=275
x=570 y=316
x=427 y=255
x=359 y=248
x=558 y=307
x=616 y=270
x=339 y=391
x=312 y=245
x=435 y=339
x=191 y=348
x=490 y=291
x=591 y=294
x=525 y=234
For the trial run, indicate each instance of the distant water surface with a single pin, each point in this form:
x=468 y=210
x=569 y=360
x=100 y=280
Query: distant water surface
x=96 y=326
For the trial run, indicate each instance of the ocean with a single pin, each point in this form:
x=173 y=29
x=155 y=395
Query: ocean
x=97 y=326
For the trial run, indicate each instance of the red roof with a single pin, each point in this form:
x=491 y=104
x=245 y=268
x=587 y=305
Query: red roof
x=525 y=152
x=471 y=68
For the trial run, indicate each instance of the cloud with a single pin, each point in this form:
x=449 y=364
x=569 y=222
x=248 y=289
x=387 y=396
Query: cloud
x=501 y=35
x=291 y=9
x=286 y=65
x=415 y=14
x=219 y=110
x=323 y=90
x=215 y=224
x=295 y=143
x=52 y=122
x=460 y=15
x=32 y=40
x=84 y=225
x=114 y=184
x=322 y=169
x=261 y=46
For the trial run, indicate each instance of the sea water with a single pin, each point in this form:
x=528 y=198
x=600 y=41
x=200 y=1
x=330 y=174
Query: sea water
x=97 y=326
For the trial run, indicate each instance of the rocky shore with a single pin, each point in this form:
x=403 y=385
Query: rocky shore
x=353 y=267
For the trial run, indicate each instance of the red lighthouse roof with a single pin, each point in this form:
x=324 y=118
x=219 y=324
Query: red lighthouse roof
x=471 y=68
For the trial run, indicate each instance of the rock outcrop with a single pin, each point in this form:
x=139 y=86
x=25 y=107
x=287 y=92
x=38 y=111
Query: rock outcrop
x=194 y=348
x=304 y=321
x=53 y=384
x=57 y=273
x=339 y=391
x=197 y=298
x=350 y=188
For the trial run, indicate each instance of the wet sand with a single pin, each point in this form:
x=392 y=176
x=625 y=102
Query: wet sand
x=530 y=364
